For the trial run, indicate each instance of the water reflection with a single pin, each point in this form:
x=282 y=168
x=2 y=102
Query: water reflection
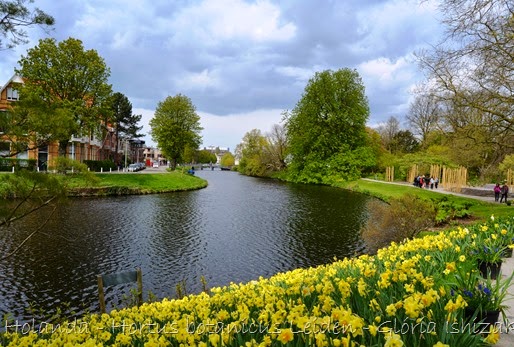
x=235 y=230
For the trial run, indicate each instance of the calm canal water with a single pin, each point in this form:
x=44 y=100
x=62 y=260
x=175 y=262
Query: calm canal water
x=235 y=230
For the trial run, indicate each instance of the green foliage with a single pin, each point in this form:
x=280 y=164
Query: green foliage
x=98 y=165
x=507 y=163
x=423 y=160
x=328 y=121
x=175 y=126
x=404 y=142
x=6 y=164
x=66 y=166
x=251 y=153
x=403 y=217
x=227 y=160
x=448 y=210
x=206 y=157
x=124 y=122
x=65 y=92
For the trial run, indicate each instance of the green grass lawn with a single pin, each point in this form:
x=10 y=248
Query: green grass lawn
x=385 y=191
x=142 y=182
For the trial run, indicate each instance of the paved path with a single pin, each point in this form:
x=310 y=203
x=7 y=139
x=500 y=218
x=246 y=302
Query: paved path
x=507 y=333
x=441 y=191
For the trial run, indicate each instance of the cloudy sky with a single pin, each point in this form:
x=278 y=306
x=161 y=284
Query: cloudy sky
x=243 y=62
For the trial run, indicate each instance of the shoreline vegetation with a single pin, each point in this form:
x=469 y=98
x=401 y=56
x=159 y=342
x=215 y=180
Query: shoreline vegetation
x=479 y=209
x=115 y=184
x=111 y=184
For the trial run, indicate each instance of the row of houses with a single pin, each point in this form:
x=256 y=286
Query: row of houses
x=89 y=147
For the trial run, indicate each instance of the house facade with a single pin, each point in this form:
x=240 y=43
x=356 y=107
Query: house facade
x=80 y=148
x=217 y=151
x=152 y=154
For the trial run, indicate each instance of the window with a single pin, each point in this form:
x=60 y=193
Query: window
x=5 y=149
x=12 y=94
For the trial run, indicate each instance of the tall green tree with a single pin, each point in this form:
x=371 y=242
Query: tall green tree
x=175 y=126
x=125 y=123
x=206 y=157
x=227 y=160
x=15 y=16
x=251 y=154
x=65 y=90
x=327 y=122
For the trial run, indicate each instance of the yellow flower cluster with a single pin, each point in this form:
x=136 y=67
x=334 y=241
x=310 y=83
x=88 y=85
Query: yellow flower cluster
x=399 y=297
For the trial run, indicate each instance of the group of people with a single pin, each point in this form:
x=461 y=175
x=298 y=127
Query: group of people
x=426 y=182
x=500 y=193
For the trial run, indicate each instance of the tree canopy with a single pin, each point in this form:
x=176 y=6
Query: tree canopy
x=65 y=91
x=125 y=123
x=328 y=122
x=251 y=153
x=175 y=126
x=15 y=16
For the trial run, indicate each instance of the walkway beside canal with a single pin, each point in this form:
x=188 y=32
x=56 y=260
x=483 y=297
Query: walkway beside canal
x=507 y=332
x=440 y=190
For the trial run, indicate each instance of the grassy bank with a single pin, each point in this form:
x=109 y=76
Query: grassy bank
x=385 y=191
x=134 y=183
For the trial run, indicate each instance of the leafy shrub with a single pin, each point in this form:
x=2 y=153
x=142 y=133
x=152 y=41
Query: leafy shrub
x=6 y=164
x=97 y=165
x=450 y=210
x=402 y=218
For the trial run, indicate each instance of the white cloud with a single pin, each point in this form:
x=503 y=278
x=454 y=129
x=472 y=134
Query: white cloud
x=385 y=71
x=228 y=131
x=395 y=25
x=199 y=80
x=300 y=74
x=221 y=20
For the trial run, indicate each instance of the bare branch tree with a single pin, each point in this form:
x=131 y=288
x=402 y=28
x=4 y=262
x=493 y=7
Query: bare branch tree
x=424 y=115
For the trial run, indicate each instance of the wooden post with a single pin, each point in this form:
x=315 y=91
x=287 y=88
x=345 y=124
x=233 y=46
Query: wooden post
x=101 y=297
x=389 y=174
x=413 y=172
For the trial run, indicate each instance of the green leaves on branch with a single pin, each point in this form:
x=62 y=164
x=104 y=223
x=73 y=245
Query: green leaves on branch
x=175 y=126
x=65 y=91
x=326 y=131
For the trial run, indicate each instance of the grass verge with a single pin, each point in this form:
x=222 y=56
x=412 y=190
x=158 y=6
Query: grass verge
x=135 y=183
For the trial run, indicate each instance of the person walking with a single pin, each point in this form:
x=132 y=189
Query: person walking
x=497 y=191
x=504 y=192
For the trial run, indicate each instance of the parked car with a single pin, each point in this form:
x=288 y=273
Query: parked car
x=155 y=164
x=141 y=166
x=133 y=168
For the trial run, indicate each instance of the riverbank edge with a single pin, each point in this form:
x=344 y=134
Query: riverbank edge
x=121 y=190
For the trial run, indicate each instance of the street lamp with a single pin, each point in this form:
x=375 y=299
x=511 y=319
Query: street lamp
x=126 y=145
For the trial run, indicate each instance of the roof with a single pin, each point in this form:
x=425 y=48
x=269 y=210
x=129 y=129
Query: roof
x=14 y=79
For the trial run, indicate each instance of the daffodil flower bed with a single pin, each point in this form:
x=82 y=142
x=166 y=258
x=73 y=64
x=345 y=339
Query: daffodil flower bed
x=403 y=296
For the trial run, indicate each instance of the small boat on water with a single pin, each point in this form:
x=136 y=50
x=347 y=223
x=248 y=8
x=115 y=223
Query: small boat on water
x=224 y=168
